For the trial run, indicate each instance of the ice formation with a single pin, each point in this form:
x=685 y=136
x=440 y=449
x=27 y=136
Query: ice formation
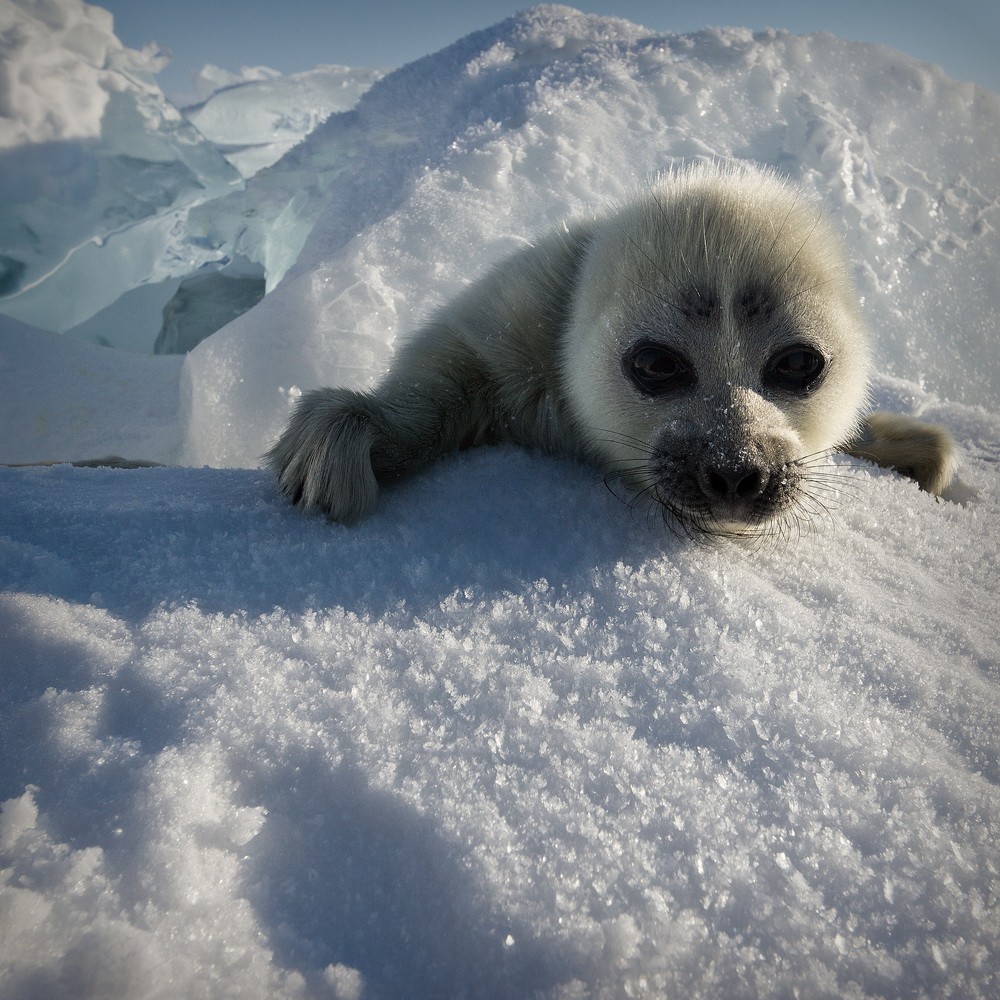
x=62 y=62
x=256 y=117
x=98 y=171
x=508 y=739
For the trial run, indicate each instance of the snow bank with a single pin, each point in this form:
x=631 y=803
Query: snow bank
x=507 y=739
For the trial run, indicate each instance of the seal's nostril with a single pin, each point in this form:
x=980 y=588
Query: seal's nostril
x=733 y=484
x=750 y=485
x=717 y=484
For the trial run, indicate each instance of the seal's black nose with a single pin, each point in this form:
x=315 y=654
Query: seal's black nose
x=728 y=484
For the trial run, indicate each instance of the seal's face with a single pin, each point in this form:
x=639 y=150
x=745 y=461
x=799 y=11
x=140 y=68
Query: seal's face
x=726 y=455
x=715 y=348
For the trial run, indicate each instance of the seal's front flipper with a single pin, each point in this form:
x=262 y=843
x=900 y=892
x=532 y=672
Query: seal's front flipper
x=922 y=451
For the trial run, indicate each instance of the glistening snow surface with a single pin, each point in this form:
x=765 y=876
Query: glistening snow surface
x=506 y=738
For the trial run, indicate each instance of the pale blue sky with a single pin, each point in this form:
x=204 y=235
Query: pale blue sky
x=963 y=36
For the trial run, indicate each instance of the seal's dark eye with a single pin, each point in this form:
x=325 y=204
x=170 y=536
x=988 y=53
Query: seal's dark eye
x=797 y=369
x=654 y=369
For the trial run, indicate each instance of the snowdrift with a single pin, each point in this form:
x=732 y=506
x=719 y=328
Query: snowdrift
x=509 y=738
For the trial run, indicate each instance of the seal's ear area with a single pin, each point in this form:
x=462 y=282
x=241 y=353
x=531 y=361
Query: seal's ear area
x=323 y=459
x=924 y=452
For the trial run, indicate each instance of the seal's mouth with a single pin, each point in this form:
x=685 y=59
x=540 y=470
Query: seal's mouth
x=706 y=487
x=721 y=518
x=719 y=495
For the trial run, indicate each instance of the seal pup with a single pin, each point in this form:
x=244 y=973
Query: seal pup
x=700 y=342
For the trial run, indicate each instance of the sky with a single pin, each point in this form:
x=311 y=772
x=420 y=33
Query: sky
x=962 y=36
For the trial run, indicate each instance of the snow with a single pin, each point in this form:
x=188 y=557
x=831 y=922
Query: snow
x=508 y=738
x=62 y=62
x=62 y=399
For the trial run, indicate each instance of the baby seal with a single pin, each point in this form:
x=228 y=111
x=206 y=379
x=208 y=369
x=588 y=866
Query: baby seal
x=700 y=342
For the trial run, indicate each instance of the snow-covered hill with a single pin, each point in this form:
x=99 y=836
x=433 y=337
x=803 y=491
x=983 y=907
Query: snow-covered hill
x=509 y=739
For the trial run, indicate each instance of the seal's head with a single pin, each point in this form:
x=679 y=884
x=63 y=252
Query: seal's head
x=714 y=346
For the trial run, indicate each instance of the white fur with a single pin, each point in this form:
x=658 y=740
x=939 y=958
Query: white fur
x=720 y=227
